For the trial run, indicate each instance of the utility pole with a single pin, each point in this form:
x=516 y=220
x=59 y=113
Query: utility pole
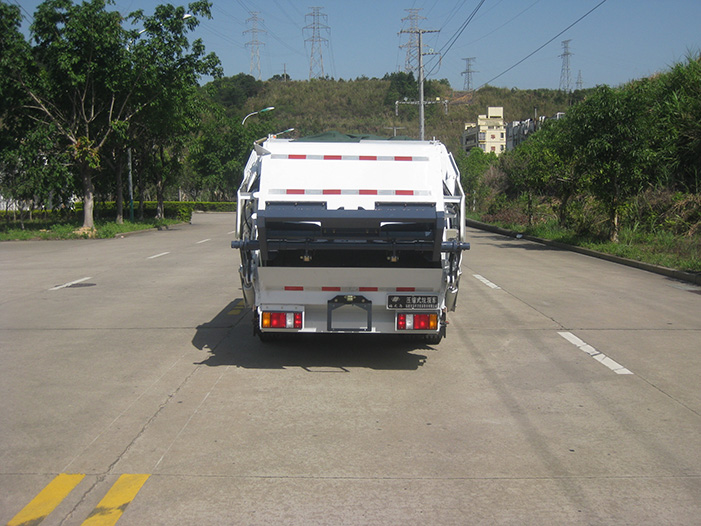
x=467 y=84
x=579 y=84
x=420 y=33
x=565 y=84
x=254 y=43
x=412 y=46
x=316 y=60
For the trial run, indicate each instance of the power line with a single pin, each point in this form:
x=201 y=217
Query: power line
x=548 y=42
x=451 y=42
x=502 y=25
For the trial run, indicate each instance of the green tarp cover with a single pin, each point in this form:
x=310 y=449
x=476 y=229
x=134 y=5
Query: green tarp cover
x=334 y=136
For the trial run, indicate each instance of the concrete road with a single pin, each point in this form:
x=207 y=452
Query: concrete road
x=130 y=382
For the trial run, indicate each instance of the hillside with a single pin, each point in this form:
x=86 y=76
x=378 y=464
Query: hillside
x=367 y=105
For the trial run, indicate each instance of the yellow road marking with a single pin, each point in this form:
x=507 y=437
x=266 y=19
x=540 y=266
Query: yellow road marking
x=238 y=308
x=47 y=499
x=111 y=507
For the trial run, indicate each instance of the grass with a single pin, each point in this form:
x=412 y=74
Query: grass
x=40 y=229
x=660 y=248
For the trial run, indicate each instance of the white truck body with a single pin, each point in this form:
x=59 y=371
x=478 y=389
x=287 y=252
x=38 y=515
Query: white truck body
x=350 y=237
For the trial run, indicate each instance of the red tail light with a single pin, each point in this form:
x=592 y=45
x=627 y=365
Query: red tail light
x=281 y=320
x=417 y=322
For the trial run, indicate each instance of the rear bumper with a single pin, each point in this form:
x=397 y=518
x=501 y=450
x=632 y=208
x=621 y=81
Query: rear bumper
x=350 y=318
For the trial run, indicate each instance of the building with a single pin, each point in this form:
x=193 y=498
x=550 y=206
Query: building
x=488 y=133
x=519 y=131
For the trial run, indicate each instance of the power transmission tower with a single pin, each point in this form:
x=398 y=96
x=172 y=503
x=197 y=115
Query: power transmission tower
x=467 y=85
x=565 y=84
x=579 y=84
x=254 y=43
x=316 y=59
x=412 y=46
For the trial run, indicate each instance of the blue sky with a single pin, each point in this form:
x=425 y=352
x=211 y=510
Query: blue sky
x=620 y=40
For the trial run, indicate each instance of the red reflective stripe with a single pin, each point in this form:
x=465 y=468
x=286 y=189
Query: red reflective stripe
x=332 y=157
x=367 y=289
x=367 y=192
x=406 y=289
x=294 y=288
x=331 y=192
x=296 y=156
x=294 y=191
x=330 y=289
x=401 y=158
x=404 y=192
x=368 y=157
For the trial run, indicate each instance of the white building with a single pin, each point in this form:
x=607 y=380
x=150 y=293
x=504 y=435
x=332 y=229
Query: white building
x=488 y=133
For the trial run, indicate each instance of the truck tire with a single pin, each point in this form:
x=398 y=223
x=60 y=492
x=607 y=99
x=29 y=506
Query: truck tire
x=266 y=337
x=433 y=339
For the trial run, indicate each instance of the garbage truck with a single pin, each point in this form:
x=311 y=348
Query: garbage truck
x=347 y=234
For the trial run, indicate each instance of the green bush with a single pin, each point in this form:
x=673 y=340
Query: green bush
x=107 y=211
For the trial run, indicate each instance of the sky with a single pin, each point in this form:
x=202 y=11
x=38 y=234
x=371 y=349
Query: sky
x=515 y=43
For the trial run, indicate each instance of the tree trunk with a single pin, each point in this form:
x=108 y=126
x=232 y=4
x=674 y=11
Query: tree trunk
x=613 y=232
x=562 y=212
x=88 y=196
x=613 y=236
x=160 y=212
x=120 y=194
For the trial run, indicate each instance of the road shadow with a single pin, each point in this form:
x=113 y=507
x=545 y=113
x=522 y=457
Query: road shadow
x=526 y=245
x=504 y=241
x=230 y=340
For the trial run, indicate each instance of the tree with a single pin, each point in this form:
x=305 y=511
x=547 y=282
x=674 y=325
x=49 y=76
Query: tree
x=94 y=78
x=169 y=71
x=473 y=166
x=401 y=86
x=679 y=118
x=611 y=136
x=233 y=92
x=555 y=162
x=83 y=82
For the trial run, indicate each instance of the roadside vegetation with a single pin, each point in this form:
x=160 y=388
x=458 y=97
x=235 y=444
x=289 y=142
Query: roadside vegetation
x=621 y=172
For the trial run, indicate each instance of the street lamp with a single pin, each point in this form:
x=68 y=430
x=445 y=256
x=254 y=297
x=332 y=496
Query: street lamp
x=288 y=130
x=256 y=113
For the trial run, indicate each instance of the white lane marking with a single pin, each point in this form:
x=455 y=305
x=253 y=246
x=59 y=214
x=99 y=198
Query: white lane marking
x=232 y=232
x=57 y=287
x=486 y=282
x=158 y=255
x=203 y=241
x=600 y=357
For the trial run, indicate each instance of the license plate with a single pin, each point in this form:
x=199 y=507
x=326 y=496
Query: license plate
x=413 y=301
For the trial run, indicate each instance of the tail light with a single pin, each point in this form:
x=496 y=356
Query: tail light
x=417 y=322
x=280 y=320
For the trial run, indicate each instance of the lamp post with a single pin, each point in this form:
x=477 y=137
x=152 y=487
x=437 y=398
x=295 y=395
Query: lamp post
x=269 y=108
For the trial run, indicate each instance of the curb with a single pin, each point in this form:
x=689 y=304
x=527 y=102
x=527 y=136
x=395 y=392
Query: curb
x=657 y=269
